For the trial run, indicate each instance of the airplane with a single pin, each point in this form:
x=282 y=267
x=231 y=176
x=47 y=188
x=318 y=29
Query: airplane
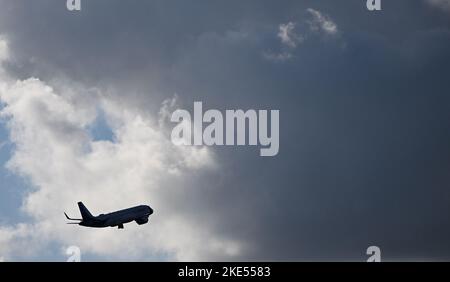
x=139 y=214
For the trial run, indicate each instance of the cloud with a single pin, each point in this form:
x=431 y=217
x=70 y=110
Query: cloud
x=321 y=22
x=3 y=144
x=53 y=149
x=277 y=57
x=4 y=54
x=21 y=238
x=442 y=4
x=4 y=49
x=289 y=40
x=288 y=36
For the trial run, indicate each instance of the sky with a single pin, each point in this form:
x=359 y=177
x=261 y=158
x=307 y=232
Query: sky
x=364 y=160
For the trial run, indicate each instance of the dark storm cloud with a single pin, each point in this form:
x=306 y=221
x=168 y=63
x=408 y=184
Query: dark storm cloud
x=364 y=154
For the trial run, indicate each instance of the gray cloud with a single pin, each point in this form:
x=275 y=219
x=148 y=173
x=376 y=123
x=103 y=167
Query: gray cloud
x=443 y=4
x=322 y=23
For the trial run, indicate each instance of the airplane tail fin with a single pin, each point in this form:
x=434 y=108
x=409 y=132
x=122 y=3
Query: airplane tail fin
x=85 y=214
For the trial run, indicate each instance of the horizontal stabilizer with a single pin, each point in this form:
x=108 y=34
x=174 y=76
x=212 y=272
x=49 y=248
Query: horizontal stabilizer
x=72 y=218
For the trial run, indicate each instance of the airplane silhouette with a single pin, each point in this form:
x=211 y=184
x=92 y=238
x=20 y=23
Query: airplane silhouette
x=139 y=214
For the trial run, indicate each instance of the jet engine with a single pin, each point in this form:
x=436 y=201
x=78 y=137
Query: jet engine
x=142 y=220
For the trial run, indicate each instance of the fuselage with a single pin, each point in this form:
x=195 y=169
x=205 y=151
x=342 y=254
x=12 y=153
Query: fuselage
x=139 y=214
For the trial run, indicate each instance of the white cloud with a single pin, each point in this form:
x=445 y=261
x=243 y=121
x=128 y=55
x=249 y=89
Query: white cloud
x=54 y=151
x=288 y=36
x=442 y=4
x=291 y=37
x=290 y=40
x=321 y=22
x=21 y=238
